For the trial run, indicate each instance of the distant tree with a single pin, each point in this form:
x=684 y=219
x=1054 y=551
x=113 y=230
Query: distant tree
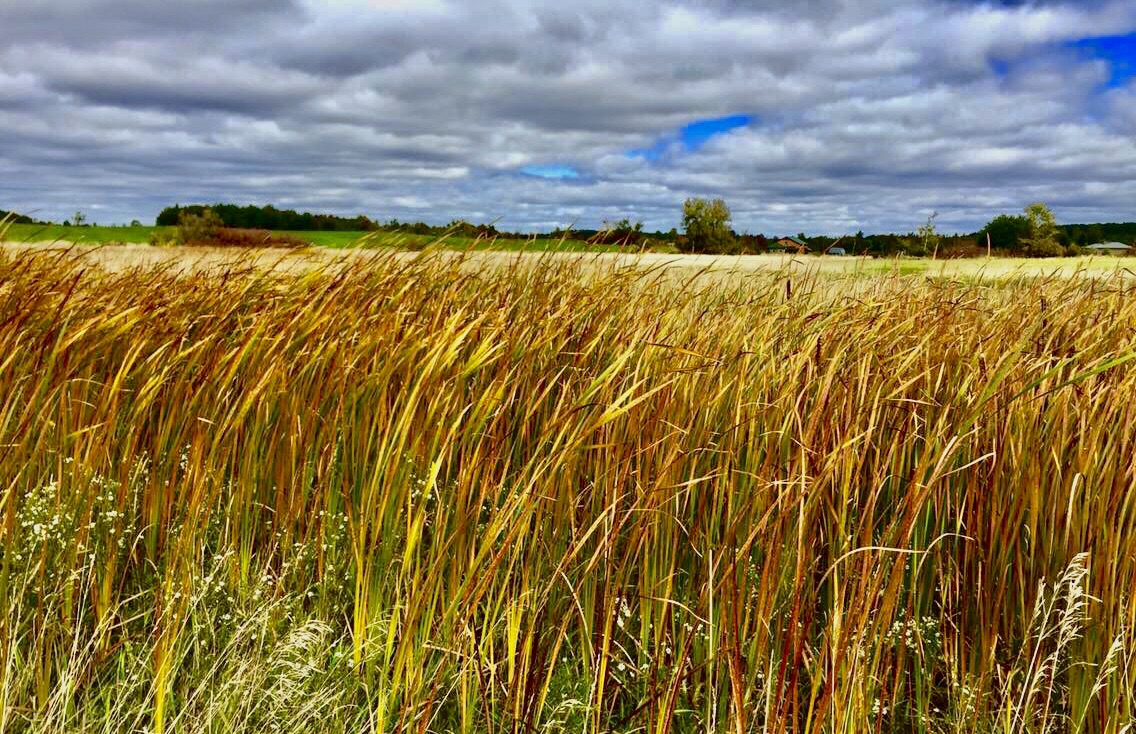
x=929 y=238
x=135 y=223
x=79 y=219
x=1041 y=240
x=168 y=217
x=707 y=224
x=1005 y=231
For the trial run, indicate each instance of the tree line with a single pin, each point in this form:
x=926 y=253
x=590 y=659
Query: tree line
x=1008 y=232
x=706 y=228
x=268 y=217
x=623 y=232
x=1034 y=233
x=7 y=217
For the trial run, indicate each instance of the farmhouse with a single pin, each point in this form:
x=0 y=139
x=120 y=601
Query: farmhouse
x=792 y=244
x=1110 y=248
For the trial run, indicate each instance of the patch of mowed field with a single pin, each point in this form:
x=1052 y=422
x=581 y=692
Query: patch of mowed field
x=93 y=235
x=140 y=235
x=400 y=494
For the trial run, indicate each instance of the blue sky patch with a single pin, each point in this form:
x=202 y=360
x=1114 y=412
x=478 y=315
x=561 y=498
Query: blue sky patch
x=695 y=135
x=1118 y=51
x=692 y=136
x=551 y=171
x=1000 y=67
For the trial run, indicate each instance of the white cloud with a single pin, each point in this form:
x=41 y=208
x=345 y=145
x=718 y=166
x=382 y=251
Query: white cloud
x=867 y=114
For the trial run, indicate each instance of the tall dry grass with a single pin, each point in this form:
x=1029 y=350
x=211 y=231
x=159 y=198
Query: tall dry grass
x=397 y=495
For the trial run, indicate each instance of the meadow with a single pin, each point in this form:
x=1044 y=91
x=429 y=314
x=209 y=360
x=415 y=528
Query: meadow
x=140 y=235
x=407 y=493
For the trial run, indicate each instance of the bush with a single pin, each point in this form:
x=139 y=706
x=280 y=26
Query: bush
x=957 y=247
x=1044 y=248
x=198 y=229
x=163 y=238
x=237 y=237
x=207 y=230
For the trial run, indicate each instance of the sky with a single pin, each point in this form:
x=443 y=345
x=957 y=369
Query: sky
x=821 y=116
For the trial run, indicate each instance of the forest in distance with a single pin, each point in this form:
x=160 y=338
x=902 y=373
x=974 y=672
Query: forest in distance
x=1004 y=235
x=1005 y=232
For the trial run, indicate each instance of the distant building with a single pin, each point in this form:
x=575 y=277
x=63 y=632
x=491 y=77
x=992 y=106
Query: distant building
x=835 y=251
x=792 y=244
x=1110 y=248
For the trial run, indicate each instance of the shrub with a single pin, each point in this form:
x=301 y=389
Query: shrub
x=957 y=247
x=163 y=238
x=207 y=229
x=198 y=229
x=237 y=237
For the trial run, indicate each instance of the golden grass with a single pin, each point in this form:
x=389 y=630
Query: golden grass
x=119 y=257
x=411 y=494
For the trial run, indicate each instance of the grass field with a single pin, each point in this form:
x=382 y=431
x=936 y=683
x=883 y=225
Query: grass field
x=712 y=267
x=998 y=268
x=81 y=235
x=406 y=494
x=141 y=235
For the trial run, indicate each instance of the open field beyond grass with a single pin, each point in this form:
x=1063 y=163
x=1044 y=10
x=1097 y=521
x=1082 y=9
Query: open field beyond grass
x=55 y=233
x=998 y=269
x=92 y=235
x=396 y=493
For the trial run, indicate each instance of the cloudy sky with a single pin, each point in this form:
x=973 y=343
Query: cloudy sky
x=826 y=116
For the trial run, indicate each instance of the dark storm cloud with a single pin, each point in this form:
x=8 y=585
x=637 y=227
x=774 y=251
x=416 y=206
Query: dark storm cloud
x=865 y=115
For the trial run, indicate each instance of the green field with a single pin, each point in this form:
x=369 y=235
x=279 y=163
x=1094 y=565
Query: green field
x=141 y=235
x=80 y=235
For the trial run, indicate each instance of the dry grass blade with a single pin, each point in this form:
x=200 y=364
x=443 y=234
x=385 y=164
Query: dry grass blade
x=562 y=495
